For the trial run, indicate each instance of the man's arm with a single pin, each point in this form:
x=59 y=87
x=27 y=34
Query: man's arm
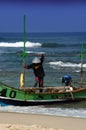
x=27 y=66
x=42 y=58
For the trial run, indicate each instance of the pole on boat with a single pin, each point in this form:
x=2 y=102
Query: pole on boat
x=22 y=76
x=82 y=57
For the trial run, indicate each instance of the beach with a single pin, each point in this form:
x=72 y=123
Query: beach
x=20 y=121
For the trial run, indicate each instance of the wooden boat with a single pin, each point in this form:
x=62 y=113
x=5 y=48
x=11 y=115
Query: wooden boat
x=33 y=96
x=25 y=96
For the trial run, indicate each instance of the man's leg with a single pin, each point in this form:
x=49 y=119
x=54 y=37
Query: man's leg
x=36 y=81
x=41 y=83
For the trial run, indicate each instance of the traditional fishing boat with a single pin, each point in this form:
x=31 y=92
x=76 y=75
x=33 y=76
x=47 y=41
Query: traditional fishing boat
x=32 y=96
x=25 y=96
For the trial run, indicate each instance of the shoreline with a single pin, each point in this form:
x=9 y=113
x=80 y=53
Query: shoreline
x=41 y=121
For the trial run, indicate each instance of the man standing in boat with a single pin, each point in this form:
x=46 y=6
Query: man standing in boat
x=38 y=70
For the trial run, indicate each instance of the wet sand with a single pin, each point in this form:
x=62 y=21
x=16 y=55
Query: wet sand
x=19 y=121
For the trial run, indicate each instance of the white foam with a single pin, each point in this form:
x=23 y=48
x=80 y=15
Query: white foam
x=66 y=64
x=20 y=44
x=48 y=111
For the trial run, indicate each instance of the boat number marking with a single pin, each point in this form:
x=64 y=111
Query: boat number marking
x=3 y=92
x=12 y=94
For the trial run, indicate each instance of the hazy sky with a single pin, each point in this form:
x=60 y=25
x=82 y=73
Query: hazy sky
x=43 y=15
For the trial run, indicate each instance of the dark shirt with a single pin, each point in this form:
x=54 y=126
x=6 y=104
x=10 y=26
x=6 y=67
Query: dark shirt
x=37 y=68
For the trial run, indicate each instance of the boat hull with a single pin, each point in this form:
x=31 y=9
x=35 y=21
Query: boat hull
x=5 y=101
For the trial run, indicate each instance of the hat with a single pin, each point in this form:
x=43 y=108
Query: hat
x=36 y=60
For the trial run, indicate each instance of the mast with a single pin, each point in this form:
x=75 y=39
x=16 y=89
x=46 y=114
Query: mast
x=24 y=34
x=22 y=75
x=82 y=60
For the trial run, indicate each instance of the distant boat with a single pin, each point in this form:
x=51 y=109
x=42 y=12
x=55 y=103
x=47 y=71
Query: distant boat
x=26 y=96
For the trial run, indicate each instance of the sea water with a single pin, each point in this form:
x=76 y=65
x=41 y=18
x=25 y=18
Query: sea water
x=62 y=57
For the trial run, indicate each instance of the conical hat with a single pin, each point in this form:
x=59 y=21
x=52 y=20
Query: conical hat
x=36 y=60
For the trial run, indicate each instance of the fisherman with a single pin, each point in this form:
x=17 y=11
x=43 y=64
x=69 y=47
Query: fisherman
x=67 y=79
x=38 y=70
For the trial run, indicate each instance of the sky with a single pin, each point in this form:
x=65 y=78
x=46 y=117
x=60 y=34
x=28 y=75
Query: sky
x=43 y=15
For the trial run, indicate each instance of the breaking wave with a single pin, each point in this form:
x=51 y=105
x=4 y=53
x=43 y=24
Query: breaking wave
x=20 y=44
x=80 y=113
x=66 y=64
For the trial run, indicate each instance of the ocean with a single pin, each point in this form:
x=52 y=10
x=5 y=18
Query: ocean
x=62 y=57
